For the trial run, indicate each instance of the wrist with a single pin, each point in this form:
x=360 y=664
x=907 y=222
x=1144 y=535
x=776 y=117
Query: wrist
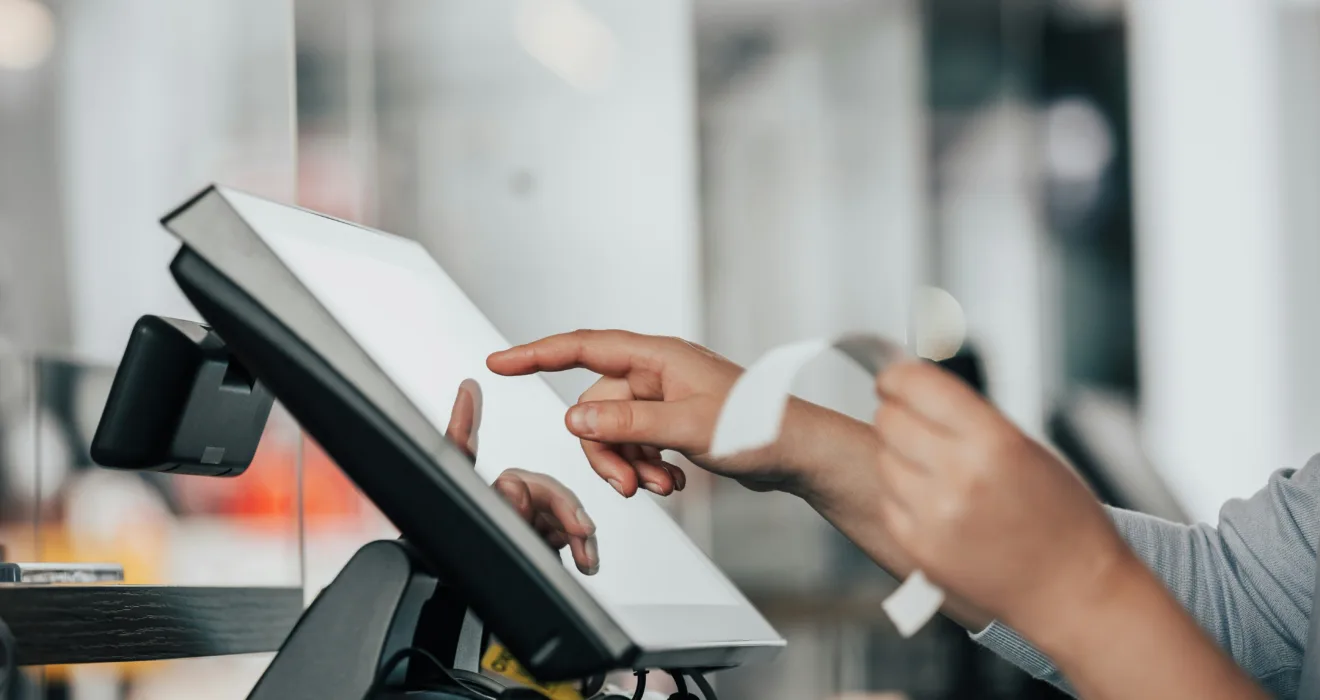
x=1136 y=640
x=821 y=450
x=1068 y=619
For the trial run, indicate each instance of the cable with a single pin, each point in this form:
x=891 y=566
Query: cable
x=703 y=685
x=491 y=686
x=641 y=685
x=521 y=694
x=399 y=656
x=679 y=681
x=470 y=682
x=592 y=686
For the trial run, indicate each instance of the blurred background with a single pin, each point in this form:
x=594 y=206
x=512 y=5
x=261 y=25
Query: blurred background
x=1108 y=206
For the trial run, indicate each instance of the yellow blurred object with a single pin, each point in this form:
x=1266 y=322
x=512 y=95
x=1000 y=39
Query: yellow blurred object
x=499 y=661
x=140 y=553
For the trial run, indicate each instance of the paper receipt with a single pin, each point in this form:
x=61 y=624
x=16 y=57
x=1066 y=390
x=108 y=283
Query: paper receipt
x=753 y=415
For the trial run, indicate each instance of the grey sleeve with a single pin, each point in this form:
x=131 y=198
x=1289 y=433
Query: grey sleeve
x=1248 y=582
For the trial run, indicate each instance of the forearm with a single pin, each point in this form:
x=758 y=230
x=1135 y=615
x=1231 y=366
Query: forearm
x=1132 y=639
x=834 y=456
x=1246 y=583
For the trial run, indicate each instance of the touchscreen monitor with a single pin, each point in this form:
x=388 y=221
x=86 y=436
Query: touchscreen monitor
x=321 y=308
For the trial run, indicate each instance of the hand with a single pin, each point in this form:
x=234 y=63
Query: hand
x=985 y=511
x=1006 y=526
x=547 y=505
x=654 y=394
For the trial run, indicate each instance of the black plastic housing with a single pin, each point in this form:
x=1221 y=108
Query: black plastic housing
x=464 y=550
x=463 y=531
x=181 y=403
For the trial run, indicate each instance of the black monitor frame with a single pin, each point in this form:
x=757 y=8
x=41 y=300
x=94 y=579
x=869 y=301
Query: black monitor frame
x=473 y=540
x=467 y=552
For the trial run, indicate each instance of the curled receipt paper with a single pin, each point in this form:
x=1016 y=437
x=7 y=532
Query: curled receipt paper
x=753 y=414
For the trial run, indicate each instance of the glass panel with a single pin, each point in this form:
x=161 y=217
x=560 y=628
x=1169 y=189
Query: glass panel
x=128 y=110
x=110 y=116
x=161 y=528
x=20 y=486
x=18 y=472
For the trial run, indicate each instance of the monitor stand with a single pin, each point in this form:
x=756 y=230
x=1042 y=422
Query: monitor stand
x=385 y=627
x=383 y=602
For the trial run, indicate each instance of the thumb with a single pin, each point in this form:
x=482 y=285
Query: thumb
x=685 y=426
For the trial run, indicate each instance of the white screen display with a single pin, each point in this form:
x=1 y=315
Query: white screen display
x=415 y=323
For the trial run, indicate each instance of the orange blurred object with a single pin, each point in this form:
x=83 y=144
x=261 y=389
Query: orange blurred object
x=268 y=490
x=326 y=491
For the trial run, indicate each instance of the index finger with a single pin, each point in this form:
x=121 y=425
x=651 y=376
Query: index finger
x=610 y=353
x=935 y=394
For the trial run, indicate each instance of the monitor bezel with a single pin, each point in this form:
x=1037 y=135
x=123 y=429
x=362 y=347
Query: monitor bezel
x=545 y=616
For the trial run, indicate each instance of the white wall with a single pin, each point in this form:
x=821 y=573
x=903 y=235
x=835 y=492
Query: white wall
x=994 y=254
x=1299 y=43
x=555 y=207
x=1211 y=276
x=815 y=187
x=160 y=98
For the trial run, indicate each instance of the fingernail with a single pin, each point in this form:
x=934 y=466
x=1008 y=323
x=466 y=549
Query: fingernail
x=510 y=494
x=618 y=486
x=654 y=488
x=593 y=557
x=584 y=420
x=585 y=520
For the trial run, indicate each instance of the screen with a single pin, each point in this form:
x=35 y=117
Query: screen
x=414 y=322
